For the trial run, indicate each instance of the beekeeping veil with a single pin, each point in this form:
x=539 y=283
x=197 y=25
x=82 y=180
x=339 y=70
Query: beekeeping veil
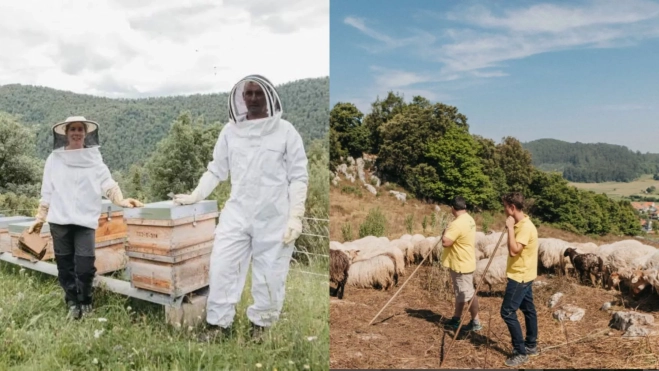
x=60 y=140
x=238 y=108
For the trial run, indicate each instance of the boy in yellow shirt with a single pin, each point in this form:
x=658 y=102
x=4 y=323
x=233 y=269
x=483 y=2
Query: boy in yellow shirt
x=459 y=256
x=521 y=270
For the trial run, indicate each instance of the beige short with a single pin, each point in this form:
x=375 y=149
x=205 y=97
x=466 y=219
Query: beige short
x=463 y=285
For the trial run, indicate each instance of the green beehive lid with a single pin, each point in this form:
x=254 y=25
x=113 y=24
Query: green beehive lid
x=5 y=221
x=22 y=226
x=168 y=210
x=105 y=204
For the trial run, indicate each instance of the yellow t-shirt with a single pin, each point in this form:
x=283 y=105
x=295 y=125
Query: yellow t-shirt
x=524 y=266
x=461 y=256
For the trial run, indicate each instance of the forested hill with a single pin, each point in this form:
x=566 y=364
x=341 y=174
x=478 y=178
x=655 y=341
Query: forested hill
x=591 y=162
x=131 y=128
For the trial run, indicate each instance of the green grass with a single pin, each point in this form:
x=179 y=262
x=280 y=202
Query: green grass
x=35 y=334
x=618 y=190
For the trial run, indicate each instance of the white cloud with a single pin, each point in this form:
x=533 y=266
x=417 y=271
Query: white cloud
x=485 y=40
x=555 y=19
x=121 y=48
x=387 y=43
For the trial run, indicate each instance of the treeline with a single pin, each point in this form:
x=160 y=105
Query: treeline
x=130 y=129
x=175 y=165
x=427 y=149
x=592 y=162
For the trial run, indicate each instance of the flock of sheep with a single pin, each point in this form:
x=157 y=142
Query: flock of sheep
x=377 y=262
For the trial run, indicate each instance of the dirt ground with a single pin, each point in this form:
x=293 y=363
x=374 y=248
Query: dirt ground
x=409 y=332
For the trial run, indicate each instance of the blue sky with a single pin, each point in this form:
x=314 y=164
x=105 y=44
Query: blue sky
x=584 y=71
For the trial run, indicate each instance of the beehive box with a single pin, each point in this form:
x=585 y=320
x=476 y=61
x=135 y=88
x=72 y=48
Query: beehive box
x=110 y=256
x=111 y=224
x=15 y=231
x=169 y=245
x=5 y=239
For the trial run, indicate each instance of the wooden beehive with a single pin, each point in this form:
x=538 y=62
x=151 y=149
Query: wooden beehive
x=169 y=245
x=110 y=239
x=5 y=239
x=111 y=224
x=15 y=231
x=110 y=256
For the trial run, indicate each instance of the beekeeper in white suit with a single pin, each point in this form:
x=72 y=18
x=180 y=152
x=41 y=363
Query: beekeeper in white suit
x=265 y=157
x=74 y=180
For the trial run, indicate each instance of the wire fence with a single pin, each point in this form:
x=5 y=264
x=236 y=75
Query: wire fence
x=313 y=242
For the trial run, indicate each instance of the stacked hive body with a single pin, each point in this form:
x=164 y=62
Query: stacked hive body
x=5 y=239
x=169 y=246
x=15 y=231
x=110 y=239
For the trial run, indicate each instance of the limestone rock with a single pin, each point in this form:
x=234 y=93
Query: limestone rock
x=555 y=299
x=569 y=312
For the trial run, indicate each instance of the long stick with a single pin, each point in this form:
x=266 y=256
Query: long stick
x=406 y=281
x=472 y=299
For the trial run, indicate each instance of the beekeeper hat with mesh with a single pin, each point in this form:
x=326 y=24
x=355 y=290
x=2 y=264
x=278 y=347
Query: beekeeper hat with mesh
x=254 y=95
x=60 y=130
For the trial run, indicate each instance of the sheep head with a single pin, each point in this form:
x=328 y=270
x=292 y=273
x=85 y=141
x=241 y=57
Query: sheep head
x=353 y=254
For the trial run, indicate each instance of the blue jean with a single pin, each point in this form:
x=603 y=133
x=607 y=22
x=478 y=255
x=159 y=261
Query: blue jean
x=520 y=296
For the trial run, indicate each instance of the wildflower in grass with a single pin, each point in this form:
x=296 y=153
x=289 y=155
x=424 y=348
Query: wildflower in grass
x=95 y=361
x=312 y=338
x=102 y=320
x=98 y=333
x=306 y=367
x=258 y=365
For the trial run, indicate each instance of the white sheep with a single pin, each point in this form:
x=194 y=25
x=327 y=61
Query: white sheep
x=483 y=240
x=407 y=247
x=489 y=249
x=651 y=276
x=367 y=253
x=377 y=272
x=406 y=237
x=423 y=247
x=496 y=273
x=584 y=247
x=336 y=245
x=652 y=261
x=550 y=254
x=625 y=256
x=605 y=250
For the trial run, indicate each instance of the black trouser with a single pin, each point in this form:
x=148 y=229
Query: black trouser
x=74 y=247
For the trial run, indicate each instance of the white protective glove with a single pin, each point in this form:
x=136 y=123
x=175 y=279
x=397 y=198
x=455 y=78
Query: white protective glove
x=297 y=194
x=114 y=194
x=40 y=219
x=206 y=185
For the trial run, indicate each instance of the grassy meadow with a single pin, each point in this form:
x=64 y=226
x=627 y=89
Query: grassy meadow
x=129 y=334
x=618 y=190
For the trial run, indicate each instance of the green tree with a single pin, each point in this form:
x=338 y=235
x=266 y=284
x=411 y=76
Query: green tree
x=175 y=166
x=381 y=112
x=345 y=122
x=21 y=171
x=516 y=164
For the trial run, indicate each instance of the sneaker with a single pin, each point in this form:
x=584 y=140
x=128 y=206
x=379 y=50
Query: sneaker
x=74 y=311
x=213 y=333
x=516 y=360
x=257 y=333
x=532 y=352
x=453 y=323
x=474 y=326
x=86 y=310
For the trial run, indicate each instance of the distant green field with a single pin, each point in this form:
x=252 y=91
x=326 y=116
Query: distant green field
x=618 y=190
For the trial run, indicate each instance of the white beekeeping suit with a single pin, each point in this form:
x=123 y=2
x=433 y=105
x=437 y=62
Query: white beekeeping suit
x=74 y=180
x=267 y=162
